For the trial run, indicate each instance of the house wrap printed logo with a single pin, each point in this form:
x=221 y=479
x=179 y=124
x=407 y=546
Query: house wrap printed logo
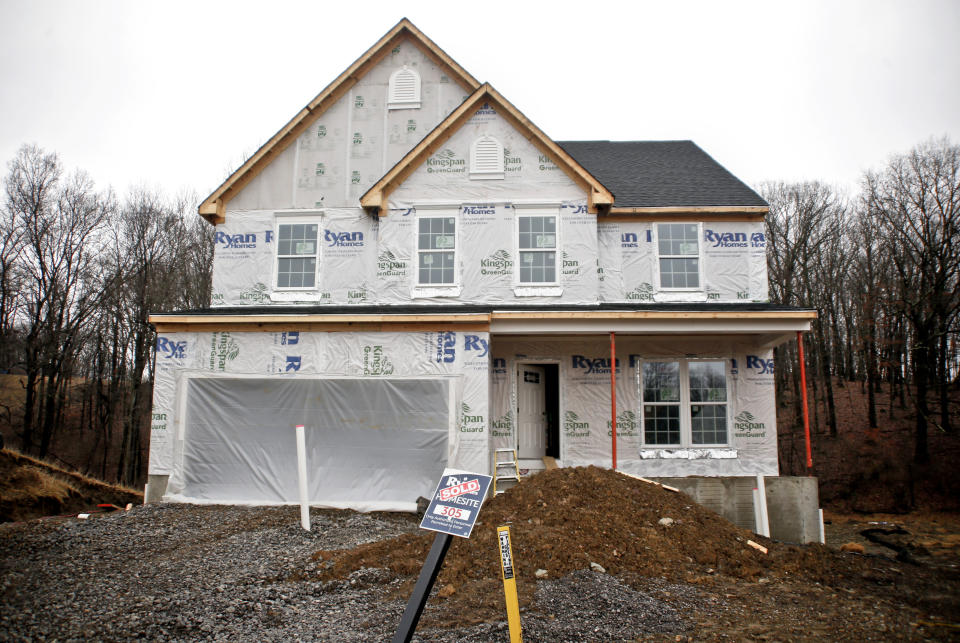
x=375 y=361
x=358 y=296
x=544 y=164
x=734 y=239
x=168 y=349
x=486 y=110
x=498 y=264
x=479 y=210
x=389 y=266
x=223 y=349
x=446 y=162
x=446 y=348
x=239 y=241
x=511 y=163
x=759 y=365
x=158 y=421
x=627 y=425
x=502 y=427
x=256 y=294
x=573 y=427
x=343 y=239
x=745 y=425
x=570 y=266
x=643 y=292
x=470 y=423
x=476 y=344
x=592 y=366
x=629 y=240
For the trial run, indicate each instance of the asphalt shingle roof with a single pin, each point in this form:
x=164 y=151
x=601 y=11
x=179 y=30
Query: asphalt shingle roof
x=660 y=174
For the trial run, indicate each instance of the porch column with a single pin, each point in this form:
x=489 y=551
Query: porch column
x=803 y=389
x=613 y=398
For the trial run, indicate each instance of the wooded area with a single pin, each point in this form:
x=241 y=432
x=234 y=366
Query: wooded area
x=80 y=270
x=882 y=269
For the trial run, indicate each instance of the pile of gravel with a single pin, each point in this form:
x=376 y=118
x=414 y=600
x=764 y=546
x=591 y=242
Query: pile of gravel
x=187 y=573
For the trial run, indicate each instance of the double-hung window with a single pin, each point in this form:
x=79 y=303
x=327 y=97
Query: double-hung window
x=437 y=250
x=684 y=403
x=678 y=249
x=537 y=249
x=298 y=253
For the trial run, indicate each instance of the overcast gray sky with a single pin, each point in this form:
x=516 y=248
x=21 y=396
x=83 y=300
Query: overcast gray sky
x=175 y=94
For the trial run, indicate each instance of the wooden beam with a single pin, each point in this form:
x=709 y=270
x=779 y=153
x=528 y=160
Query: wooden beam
x=656 y=314
x=348 y=327
x=615 y=216
x=403 y=30
x=213 y=318
x=378 y=195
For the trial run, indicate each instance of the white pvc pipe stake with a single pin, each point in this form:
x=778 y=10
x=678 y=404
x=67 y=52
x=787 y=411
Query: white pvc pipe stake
x=823 y=535
x=757 y=518
x=302 y=471
x=764 y=516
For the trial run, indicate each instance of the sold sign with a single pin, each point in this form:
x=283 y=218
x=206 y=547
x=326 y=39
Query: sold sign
x=470 y=486
x=456 y=502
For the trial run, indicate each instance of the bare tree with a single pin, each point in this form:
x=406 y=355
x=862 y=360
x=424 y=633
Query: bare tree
x=916 y=203
x=60 y=221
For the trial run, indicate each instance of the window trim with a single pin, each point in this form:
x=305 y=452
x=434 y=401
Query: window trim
x=313 y=217
x=536 y=285
x=436 y=290
x=698 y=256
x=686 y=412
x=392 y=100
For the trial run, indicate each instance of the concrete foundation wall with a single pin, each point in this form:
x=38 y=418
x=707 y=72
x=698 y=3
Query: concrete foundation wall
x=793 y=503
x=156 y=487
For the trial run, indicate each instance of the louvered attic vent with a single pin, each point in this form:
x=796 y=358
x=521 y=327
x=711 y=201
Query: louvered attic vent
x=486 y=159
x=404 y=90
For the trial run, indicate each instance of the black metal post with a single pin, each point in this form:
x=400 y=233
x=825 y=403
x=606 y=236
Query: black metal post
x=428 y=574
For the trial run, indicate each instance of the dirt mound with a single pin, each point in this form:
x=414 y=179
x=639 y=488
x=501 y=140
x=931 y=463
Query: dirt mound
x=565 y=519
x=31 y=488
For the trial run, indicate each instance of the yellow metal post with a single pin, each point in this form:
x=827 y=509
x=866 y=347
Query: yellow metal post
x=509 y=583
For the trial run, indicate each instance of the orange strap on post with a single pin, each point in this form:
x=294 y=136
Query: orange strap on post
x=803 y=389
x=613 y=398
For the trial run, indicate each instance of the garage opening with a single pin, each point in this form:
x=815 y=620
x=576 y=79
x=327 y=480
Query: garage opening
x=372 y=444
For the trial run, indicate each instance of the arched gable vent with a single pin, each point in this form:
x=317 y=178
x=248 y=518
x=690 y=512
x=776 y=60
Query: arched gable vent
x=404 y=90
x=486 y=158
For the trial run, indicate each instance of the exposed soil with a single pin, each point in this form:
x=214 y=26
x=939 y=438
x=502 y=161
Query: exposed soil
x=565 y=519
x=30 y=488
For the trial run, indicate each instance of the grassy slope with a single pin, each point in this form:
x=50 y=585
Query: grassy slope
x=31 y=488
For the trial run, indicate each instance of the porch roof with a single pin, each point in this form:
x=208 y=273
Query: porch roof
x=767 y=324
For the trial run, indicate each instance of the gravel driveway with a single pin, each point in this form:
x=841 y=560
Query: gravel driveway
x=185 y=573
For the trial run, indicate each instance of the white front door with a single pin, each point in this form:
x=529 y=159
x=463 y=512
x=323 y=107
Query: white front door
x=531 y=397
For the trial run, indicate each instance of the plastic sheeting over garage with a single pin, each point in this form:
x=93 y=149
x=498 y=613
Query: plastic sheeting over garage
x=366 y=439
x=384 y=412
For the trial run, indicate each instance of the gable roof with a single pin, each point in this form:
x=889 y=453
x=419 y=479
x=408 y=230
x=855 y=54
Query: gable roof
x=664 y=176
x=214 y=206
x=376 y=196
